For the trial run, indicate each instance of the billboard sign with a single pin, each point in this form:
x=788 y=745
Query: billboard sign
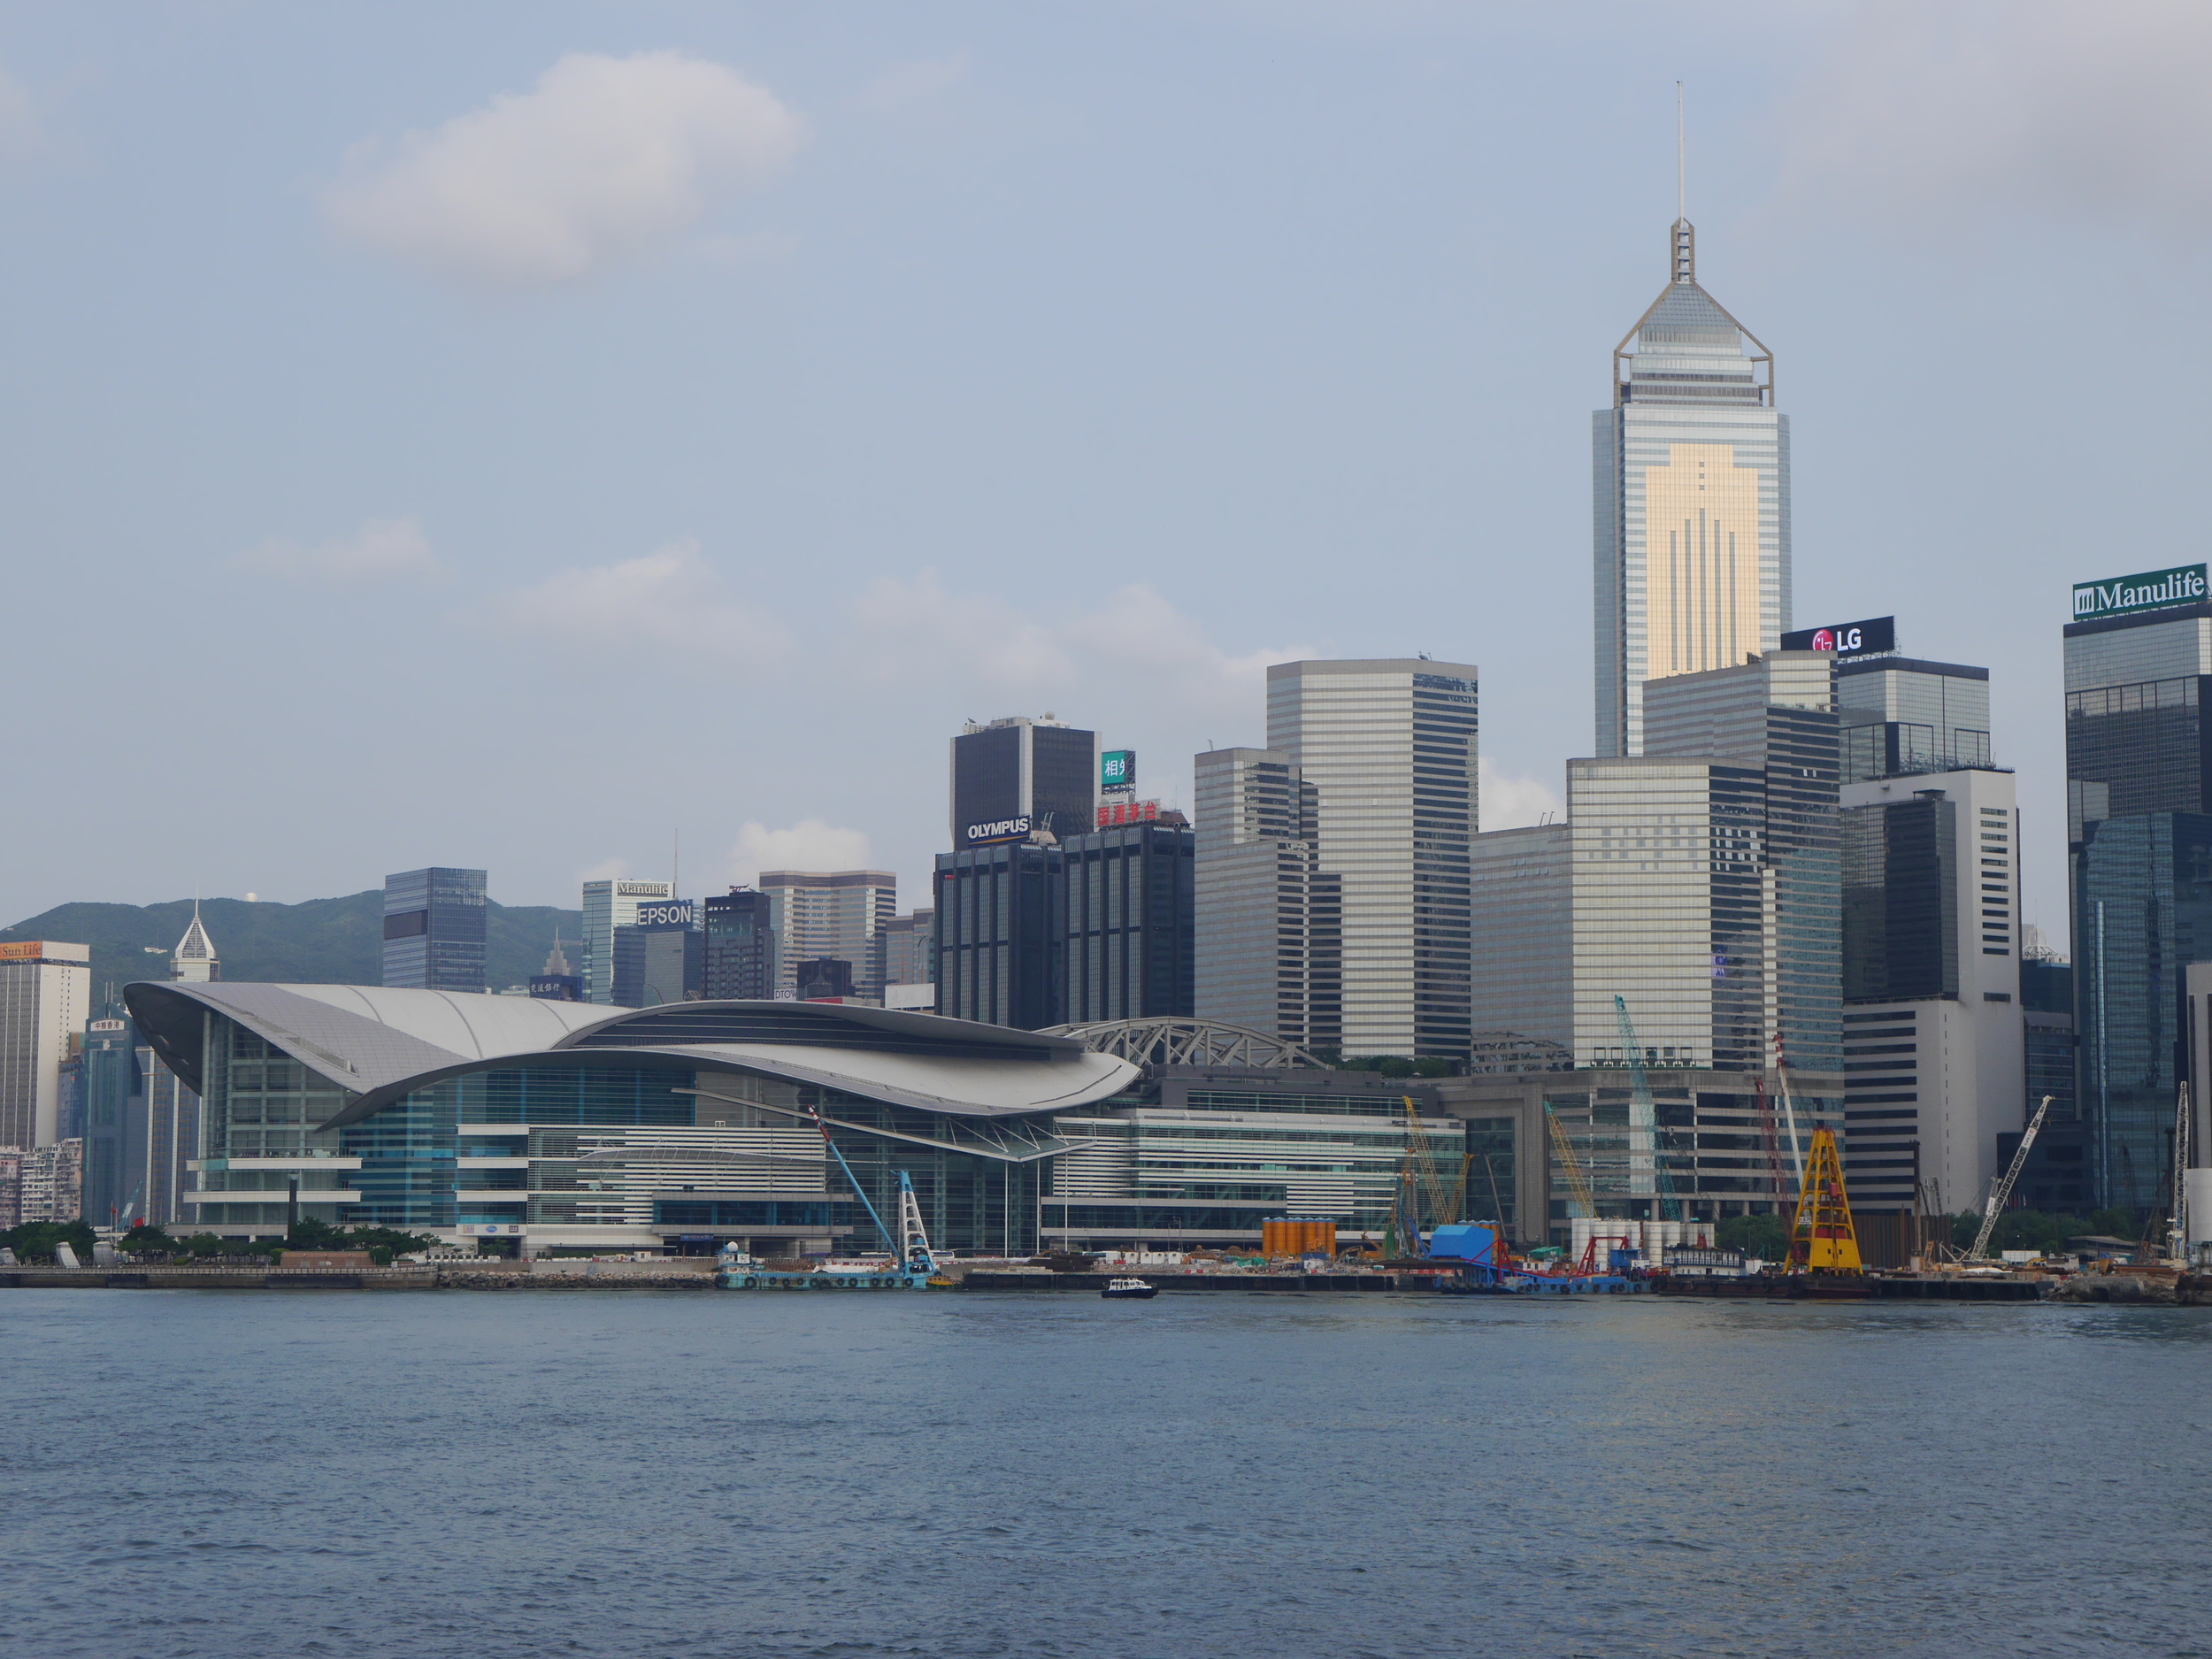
x=2153 y=590
x=30 y=951
x=675 y=913
x=999 y=829
x=642 y=890
x=1118 y=769
x=1869 y=638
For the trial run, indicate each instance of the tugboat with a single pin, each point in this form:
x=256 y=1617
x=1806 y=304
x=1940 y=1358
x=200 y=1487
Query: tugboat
x=1129 y=1290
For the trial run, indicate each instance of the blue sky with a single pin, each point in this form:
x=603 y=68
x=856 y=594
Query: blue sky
x=510 y=435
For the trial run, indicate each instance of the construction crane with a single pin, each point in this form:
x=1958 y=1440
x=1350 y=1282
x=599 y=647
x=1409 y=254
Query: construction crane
x=913 y=1246
x=1443 y=1211
x=1577 y=1185
x=2000 y=1189
x=1789 y=1110
x=1822 y=1241
x=1643 y=1119
x=2180 y=1252
x=1401 y=1233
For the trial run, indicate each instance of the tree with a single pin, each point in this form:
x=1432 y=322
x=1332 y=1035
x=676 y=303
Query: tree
x=36 y=1241
x=1766 y=1237
x=147 y=1240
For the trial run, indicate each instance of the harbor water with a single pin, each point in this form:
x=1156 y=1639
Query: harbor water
x=656 y=1474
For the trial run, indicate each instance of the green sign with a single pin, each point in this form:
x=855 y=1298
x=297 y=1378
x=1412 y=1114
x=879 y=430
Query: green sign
x=1118 y=769
x=2153 y=590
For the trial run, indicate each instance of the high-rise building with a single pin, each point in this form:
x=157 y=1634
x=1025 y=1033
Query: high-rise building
x=1524 y=941
x=740 y=945
x=51 y=1182
x=194 y=961
x=1389 y=746
x=44 y=990
x=557 y=983
x=111 y=1087
x=2135 y=683
x=1692 y=502
x=823 y=980
x=1934 y=1045
x=1777 y=713
x=1268 y=922
x=607 y=906
x=829 y=913
x=1131 y=896
x=434 y=930
x=1013 y=775
x=1902 y=716
x=661 y=957
x=910 y=955
x=1001 y=919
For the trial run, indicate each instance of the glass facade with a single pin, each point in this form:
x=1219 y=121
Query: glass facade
x=1691 y=471
x=1390 y=749
x=1019 y=768
x=2142 y=912
x=739 y=946
x=1269 y=923
x=1901 y=716
x=1001 y=935
x=434 y=930
x=836 y=914
x=607 y=906
x=1723 y=1151
x=1900 y=883
x=1130 y=942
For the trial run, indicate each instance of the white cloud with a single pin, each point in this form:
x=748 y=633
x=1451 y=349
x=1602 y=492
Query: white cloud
x=383 y=549
x=605 y=870
x=607 y=159
x=808 y=845
x=1509 y=801
x=1942 y=113
x=670 y=605
x=908 y=85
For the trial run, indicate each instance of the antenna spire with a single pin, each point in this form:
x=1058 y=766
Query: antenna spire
x=1681 y=157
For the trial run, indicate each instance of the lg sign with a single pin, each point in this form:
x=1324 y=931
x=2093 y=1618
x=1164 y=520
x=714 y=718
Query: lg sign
x=1869 y=638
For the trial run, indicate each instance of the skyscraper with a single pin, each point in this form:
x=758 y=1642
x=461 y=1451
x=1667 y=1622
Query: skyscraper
x=1016 y=774
x=194 y=960
x=741 y=939
x=434 y=930
x=1129 y=935
x=1269 y=922
x=607 y=906
x=830 y=913
x=1692 y=473
x=1001 y=921
x=45 y=988
x=1390 y=749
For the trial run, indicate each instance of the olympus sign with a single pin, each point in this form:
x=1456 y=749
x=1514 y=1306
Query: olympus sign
x=1005 y=829
x=2153 y=590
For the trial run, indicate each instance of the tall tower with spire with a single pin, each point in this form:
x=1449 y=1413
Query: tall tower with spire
x=1692 y=501
x=194 y=960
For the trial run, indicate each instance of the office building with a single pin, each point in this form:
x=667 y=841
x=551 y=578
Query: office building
x=2142 y=912
x=693 y=1127
x=660 y=957
x=2057 y=1177
x=909 y=944
x=1523 y=978
x=1014 y=775
x=1268 y=922
x=111 y=1086
x=2138 y=656
x=829 y=913
x=740 y=945
x=1777 y=713
x=434 y=930
x=1901 y=716
x=1000 y=921
x=607 y=906
x=823 y=980
x=1389 y=746
x=556 y=982
x=45 y=988
x=194 y=960
x=1934 y=1042
x=1692 y=502
x=1131 y=944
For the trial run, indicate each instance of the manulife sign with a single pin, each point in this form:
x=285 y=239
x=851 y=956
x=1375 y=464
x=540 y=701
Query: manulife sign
x=2153 y=590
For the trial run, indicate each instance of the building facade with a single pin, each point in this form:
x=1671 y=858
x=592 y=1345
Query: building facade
x=45 y=988
x=607 y=906
x=195 y=960
x=740 y=945
x=434 y=930
x=1269 y=921
x=661 y=957
x=1692 y=471
x=1130 y=936
x=910 y=960
x=1900 y=716
x=1390 y=749
x=1001 y=921
x=830 y=913
x=1014 y=775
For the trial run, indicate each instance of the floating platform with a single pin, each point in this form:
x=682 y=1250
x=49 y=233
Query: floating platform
x=762 y=1279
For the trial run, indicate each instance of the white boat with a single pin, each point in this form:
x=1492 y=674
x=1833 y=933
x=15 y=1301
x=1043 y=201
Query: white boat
x=1129 y=1290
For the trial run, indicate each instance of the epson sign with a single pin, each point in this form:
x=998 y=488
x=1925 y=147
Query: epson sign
x=674 y=914
x=2153 y=590
x=1004 y=829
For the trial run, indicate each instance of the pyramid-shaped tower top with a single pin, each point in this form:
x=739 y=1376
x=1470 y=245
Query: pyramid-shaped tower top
x=194 y=959
x=1686 y=349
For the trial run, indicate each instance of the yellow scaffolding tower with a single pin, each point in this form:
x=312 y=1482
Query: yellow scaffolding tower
x=1822 y=1241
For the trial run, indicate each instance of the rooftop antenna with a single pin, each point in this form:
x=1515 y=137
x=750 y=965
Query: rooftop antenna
x=1681 y=158
x=675 y=863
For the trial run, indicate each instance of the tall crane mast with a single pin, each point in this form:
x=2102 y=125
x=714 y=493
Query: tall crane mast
x=1442 y=1210
x=1789 y=1110
x=1562 y=1149
x=2000 y=1189
x=1643 y=1122
x=2180 y=1250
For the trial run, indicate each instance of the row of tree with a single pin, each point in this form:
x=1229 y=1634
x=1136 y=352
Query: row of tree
x=38 y=1242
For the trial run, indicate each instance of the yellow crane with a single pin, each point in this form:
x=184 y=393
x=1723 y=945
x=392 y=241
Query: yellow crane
x=1443 y=1209
x=1822 y=1239
x=1581 y=1204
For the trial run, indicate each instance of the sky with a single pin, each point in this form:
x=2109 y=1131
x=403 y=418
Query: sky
x=521 y=436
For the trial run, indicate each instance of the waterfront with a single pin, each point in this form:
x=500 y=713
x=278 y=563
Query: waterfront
x=656 y=1474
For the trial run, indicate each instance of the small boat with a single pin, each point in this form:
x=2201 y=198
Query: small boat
x=1130 y=1290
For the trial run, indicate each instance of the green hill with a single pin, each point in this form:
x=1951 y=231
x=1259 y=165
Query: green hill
x=331 y=941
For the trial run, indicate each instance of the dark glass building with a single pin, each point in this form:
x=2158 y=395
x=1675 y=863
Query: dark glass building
x=1900 y=884
x=1129 y=935
x=1001 y=935
x=664 y=960
x=2047 y=1003
x=434 y=930
x=114 y=1116
x=2142 y=912
x=1015 y=775
x=819 y=978
x=740 y=945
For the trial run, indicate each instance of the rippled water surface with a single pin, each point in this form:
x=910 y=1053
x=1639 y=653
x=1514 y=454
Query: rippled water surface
x=644 y=1474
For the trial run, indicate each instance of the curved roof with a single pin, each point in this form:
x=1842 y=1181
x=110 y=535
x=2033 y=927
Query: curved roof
x=378 y=1044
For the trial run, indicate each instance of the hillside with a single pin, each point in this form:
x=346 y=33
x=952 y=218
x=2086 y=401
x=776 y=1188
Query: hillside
x=321 y=940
